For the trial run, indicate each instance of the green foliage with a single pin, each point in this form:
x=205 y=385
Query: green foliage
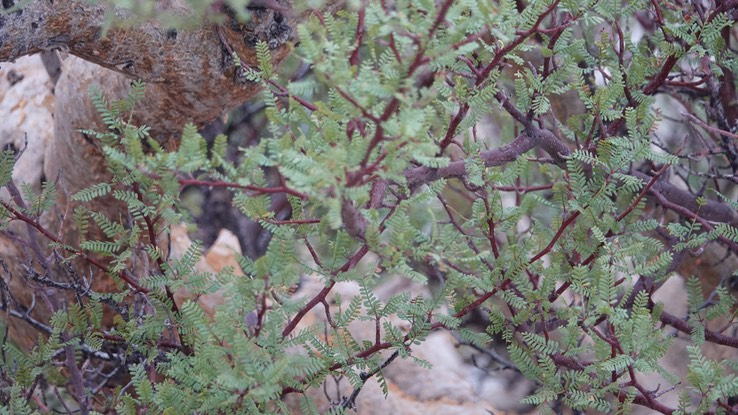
x=7 y=162
x=379 y=152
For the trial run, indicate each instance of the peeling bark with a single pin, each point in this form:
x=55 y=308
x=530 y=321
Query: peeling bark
x=189 y=73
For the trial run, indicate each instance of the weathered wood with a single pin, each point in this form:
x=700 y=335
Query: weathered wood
x=189 y=74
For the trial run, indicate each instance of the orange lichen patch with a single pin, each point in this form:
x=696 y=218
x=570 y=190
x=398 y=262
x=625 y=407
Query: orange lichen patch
x=19 y=104
x=21 y=118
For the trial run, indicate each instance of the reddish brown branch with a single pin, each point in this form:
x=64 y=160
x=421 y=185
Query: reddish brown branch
x=257 y=189
x=320 y=297
x=686 y=213
x=151 y=229
x=710 y=336
x=645 y=190
x=354 y=58
x=565 y=224
x=709 y=127
x=292 y=221
x=124 y=275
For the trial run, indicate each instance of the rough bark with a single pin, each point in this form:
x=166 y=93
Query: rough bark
x=189 y=74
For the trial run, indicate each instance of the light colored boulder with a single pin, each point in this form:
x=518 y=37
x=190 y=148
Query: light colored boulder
x=26 y=117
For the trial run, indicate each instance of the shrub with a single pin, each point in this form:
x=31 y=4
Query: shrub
x=518 y=157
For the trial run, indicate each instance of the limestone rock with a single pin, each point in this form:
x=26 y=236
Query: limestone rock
x=27 y=108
